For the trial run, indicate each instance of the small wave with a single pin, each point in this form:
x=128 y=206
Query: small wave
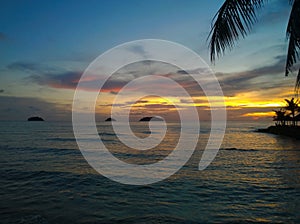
x=107 y=134
x=241 y=150
x=149 y=132
x=33 y=219
x=108 y=140
x=61 y=139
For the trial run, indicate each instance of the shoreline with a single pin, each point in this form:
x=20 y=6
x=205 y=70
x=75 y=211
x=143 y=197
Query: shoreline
x=290 y=131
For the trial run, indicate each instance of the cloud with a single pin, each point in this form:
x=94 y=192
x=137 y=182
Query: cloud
x=1 y=90
x=69 y=79
x=138 y=49
x=186 y=101
x=265 y=77
x=262 y=78
x=66 y=80
x=27 y=66
x=142 y=101
x=32 y=68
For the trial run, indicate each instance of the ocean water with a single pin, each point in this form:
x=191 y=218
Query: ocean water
x=255 y=178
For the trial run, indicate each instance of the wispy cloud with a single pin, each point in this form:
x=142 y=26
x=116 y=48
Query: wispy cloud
x=66 y=80
x=263 y=78
x=266 y=77
x=138 y=49
x=23 y=66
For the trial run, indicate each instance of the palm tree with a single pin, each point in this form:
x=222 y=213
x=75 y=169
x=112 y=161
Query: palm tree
x=235 y=19
x=280 y=116
x=292 y=106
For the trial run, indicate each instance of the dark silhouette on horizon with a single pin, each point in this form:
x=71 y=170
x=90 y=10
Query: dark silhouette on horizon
x=35 y=119
x=286 y=120
x=288 y=115
x=150 y=119
x=110 y=119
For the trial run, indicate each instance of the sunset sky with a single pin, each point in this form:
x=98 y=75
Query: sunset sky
x=46 y=46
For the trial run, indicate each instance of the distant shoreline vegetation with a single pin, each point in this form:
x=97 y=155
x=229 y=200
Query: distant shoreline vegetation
x=286 y=120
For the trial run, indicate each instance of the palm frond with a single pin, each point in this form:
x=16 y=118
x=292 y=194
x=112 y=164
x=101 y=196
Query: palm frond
x=293 y=34
x=297 y=86
x=234 y=19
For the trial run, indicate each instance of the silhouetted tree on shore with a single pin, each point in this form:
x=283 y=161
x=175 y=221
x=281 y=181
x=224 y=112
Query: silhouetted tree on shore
x=279 y=117
x=293 y=107
x=289 y=115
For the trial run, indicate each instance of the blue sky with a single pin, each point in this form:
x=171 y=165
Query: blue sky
x=43 y=42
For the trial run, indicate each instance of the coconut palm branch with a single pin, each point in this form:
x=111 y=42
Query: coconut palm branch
x=293 y=34
x=235 y=19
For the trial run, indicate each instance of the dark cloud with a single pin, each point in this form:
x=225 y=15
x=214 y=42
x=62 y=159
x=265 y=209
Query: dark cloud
x=61 y=79
x=262 y=78
x=160 y=106
x=67 y=80
x=70 y=79
x=1 y=90
x=186 y=101
x=32 y=68
x=266 y=77
x=113 y=85
x=47 y=76
x=115 y=105
x=113 y=92
x=138 y=49
x=142 y=101
x=194 y=71
x=255 y=79
x=182 y=72
x=27 y=66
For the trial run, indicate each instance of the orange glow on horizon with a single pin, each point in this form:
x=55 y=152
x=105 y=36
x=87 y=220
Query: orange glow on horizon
x=251 y=105
x=259 y=114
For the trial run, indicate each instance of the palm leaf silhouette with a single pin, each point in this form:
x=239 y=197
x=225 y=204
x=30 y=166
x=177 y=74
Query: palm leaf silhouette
x=293 y=34
x=235 y=19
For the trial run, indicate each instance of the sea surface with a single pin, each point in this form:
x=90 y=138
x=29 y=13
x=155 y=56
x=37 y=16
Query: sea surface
x=255 y=178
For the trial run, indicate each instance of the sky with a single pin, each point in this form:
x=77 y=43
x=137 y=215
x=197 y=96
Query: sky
x=47 y=45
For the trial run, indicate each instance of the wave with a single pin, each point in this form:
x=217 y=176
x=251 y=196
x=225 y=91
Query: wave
x=235 y=149
x=150 y=132
x=61 y=139
x=107 y=134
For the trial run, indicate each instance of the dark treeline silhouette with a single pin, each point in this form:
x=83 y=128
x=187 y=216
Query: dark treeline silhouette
x=288 y=115
x=286 y=120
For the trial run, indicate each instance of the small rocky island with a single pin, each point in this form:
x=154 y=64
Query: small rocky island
x=150 y=119
x=110 y=119
x=35 y=119
x=286 y=120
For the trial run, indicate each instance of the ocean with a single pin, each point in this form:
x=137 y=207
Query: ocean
x=255 y=178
